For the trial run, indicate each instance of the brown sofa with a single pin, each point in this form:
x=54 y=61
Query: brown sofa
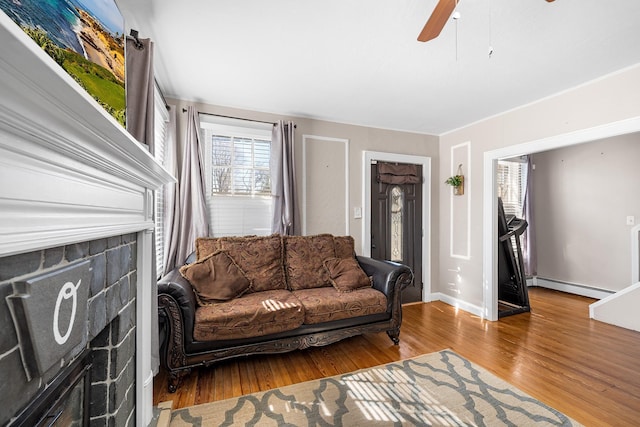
x=238 y=296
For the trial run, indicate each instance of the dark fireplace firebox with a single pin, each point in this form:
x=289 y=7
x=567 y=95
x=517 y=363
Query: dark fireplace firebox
x=65 y=402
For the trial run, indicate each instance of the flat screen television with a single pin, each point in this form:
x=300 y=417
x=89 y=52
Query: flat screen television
x=85 y=37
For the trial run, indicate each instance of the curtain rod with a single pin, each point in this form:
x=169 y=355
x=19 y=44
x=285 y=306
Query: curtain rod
x=184 y=110
x=164 y=100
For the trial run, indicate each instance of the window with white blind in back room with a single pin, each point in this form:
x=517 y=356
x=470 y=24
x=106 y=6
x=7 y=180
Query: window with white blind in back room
x=511 y=179
x=238 y=179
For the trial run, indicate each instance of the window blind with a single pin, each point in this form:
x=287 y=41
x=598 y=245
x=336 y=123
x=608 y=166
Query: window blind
x=511 y=182
x=161 y=120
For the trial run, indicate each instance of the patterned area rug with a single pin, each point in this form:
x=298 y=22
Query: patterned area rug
x=438 y=389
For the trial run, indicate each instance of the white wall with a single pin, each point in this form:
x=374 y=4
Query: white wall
x=604 y=101
x=583 y=194
x=613 y=309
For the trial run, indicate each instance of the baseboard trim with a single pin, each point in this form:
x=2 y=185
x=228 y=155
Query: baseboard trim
x=457 y=303
x=572 y=288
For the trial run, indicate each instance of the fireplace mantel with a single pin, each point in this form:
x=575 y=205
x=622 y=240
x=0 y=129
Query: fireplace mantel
x=70 y=173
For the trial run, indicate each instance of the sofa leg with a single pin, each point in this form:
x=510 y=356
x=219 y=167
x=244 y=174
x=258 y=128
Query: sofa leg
x=394 y=334
x=175 y=377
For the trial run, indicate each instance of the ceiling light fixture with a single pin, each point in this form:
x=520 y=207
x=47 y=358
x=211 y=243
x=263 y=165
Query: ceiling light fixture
x=490 y=35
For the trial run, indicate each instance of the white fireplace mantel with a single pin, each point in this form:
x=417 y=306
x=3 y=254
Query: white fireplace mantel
x=70 y=173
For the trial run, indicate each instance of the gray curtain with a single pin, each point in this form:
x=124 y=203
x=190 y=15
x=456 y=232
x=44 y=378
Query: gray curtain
x=283 y=179
x=529 y=240
x=140 y=124
x=194 y=220
x=171 y=191
x=140 y=85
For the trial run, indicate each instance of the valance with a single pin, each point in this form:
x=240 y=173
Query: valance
x=393 y=173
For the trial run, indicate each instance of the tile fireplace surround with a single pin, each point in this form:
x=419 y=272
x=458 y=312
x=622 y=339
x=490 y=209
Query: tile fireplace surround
x=76 y=211
x=109 y=328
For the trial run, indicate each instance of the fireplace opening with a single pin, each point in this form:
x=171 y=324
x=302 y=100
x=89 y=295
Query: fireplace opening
x=65 y=402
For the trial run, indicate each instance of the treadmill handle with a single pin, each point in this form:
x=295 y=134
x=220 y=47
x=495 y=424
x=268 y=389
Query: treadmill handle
x=515 y=231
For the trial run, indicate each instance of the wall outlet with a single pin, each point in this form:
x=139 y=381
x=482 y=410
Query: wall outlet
x=357 y=213
x=631 y=220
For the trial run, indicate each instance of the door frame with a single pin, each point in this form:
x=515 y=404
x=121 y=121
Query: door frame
x=490 y=194
x=367 y=158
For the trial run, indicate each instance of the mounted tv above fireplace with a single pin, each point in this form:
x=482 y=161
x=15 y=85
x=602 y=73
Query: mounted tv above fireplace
x=85 y=37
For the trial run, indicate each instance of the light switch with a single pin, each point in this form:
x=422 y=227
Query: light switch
x=631 y=220
x=357 y=213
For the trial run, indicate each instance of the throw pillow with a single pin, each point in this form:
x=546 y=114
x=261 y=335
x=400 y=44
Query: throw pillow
x=346 y=275
x=206 y=246
x=303 y=260
x=345 y=246
x=260 y=258
x=216 y=278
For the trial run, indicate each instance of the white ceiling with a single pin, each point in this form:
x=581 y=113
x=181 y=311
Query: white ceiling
x=358 y=61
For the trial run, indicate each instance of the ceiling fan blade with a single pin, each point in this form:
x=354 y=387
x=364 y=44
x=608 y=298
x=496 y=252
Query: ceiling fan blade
x=437 y=20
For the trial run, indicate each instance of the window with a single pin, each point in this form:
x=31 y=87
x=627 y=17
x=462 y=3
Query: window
x=161 y=120
x=239 y=166
x=237 y=157
x=397 y=205
x=512 y=181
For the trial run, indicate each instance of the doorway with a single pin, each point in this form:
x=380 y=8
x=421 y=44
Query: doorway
x=396 y=225
x=490 y=195
x=420 y=234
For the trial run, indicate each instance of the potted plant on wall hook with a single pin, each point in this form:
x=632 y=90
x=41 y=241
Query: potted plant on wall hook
x=457 y=182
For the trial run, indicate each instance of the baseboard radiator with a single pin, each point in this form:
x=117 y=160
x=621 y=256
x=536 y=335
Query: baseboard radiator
x=572 y=288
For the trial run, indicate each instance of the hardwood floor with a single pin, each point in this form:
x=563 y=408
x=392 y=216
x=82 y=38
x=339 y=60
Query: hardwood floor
x=584 y=368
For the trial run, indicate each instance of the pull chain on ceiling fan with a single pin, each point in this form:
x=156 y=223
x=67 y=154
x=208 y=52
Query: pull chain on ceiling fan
x=439 y=18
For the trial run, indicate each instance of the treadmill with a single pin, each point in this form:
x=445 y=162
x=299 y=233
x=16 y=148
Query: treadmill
x=513 y=297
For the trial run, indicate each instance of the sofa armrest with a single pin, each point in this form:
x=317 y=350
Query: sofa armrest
x=176 y=293
x=388 y=277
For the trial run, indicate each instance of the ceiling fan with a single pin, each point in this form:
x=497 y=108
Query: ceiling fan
x=439 y=18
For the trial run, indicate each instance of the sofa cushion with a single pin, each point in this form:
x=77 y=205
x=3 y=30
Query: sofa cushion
x=205 y=246
x=252 y=315
x=346 y=275
x=260 y=258
x=304 y=258
x=344 y=246
x=327 y=304
x=216 y=278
